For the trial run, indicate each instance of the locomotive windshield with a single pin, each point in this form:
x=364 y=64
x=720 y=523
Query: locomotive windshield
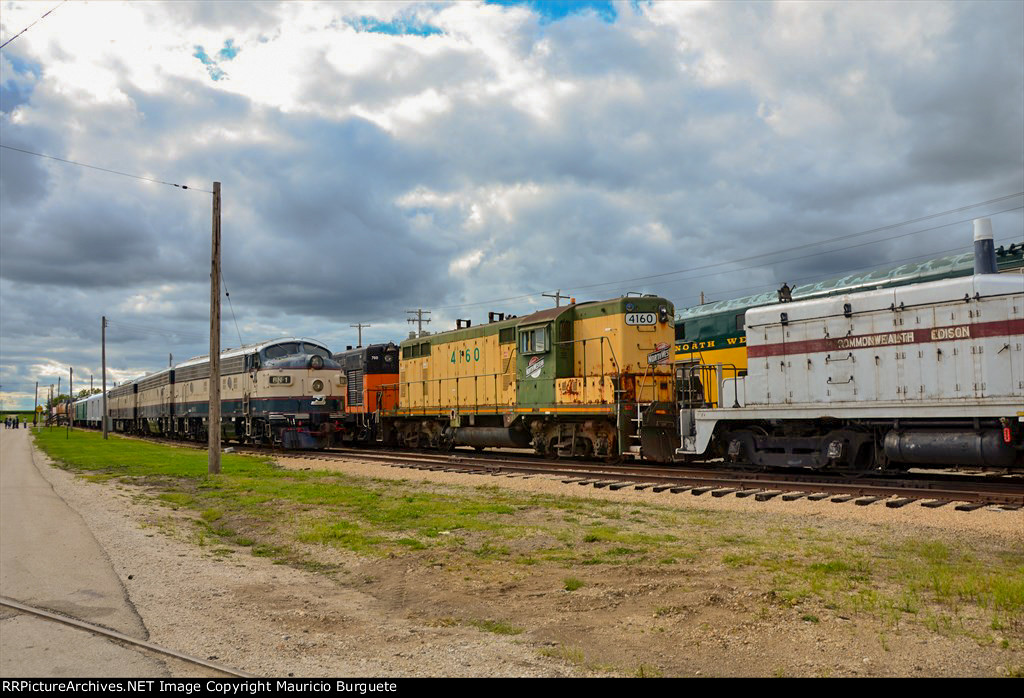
x=277 y=351
x=315 y=350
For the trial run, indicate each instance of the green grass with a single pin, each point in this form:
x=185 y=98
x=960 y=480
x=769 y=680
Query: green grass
x=295 y=516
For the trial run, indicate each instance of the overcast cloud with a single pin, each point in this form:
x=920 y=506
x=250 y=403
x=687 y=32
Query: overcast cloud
x=379 y=157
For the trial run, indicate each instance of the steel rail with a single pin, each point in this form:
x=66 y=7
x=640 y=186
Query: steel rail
x=113 y=634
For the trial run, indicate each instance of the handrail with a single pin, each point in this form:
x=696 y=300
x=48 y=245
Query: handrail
x=702 y=371
x=602 y=339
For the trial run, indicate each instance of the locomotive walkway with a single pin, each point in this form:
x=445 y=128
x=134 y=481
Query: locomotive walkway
x=50 y=559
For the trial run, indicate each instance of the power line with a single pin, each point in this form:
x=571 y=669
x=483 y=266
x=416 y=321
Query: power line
x=813 y=254
x=232 y=307
x=32 y=25
x=811 y=278
x=156 y=330
x=769 y=254
x=104 y=169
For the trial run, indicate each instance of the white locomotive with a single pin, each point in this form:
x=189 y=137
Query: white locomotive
x=930 y=374
x=285 y=392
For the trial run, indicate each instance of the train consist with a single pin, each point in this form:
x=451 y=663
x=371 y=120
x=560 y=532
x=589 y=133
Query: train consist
x=283 y=392
x=893 y=376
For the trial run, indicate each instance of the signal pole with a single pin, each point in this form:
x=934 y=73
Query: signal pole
x=104 y=343
x=214 y=420
x=360 y=326
x=71 y=394
x=418 y=320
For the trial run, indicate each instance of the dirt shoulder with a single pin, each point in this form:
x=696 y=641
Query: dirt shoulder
x=560 y=580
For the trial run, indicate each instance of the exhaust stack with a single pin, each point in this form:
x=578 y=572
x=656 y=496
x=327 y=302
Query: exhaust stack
x=984 y=247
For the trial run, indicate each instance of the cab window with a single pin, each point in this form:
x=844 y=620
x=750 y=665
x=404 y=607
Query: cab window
x=315 y=350
x=278 y=350
x=533 y=341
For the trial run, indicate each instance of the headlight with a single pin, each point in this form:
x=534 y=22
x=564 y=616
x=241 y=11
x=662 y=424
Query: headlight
x=318 y=385
x=316 y=363
x=663 y=313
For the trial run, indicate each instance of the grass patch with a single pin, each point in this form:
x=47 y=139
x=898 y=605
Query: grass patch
x=496 y=626
x=297 y=517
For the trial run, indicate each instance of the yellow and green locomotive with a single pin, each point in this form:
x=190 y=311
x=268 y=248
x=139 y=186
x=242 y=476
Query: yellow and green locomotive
x=577 y=380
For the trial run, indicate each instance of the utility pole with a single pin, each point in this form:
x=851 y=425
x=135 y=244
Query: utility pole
x=557 y=295
x=71 y=393
x=418 y=320
x=214 y=421
x=104 y=344
x=360 y=326
x=35 y=406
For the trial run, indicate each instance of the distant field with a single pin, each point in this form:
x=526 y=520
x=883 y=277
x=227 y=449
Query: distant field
x=526 y=564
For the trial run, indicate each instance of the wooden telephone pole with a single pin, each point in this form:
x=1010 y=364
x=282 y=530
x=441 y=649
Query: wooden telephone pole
x=360 y=326
x=557 y=295
x=104 y=341
x=418 y=320
x=214 y=420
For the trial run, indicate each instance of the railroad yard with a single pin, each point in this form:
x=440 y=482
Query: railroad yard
x=348 y=566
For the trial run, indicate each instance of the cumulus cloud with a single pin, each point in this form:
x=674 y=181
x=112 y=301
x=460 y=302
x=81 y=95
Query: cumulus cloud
x=382 y=156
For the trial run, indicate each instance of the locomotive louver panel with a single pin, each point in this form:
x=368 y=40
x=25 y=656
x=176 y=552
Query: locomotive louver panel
x=355 y=388
x=191 y=373
x=235 y=364
x=155 y=381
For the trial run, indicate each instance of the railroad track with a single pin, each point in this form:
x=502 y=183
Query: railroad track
x=932 y=492
x=120 y=637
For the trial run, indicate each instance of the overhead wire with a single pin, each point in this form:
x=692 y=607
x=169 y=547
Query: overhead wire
x=155 y=330
x=4 y=45
x=104 y=169
x=817 y=254
x=232 y=307
x=812 y=278
x=716 y=265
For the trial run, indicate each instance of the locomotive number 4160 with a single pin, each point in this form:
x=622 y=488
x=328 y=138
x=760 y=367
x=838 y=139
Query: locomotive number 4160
x=641 y=318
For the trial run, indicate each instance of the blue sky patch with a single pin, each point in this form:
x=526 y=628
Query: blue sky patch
x=229 y=51
x=554 y=10
x=225 y=54
x=399 y=26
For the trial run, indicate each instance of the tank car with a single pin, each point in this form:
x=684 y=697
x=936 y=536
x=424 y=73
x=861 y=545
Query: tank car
x=930 y=374
x=567 y=381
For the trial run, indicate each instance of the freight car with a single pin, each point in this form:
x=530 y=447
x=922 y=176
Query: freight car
x=569 y=381
x=280 y=392
x=926 y=374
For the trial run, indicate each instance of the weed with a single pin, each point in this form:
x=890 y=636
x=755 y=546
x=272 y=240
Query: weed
x=572 y=584
x=496 y=626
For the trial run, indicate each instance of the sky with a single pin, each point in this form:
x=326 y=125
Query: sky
x=466 y=157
